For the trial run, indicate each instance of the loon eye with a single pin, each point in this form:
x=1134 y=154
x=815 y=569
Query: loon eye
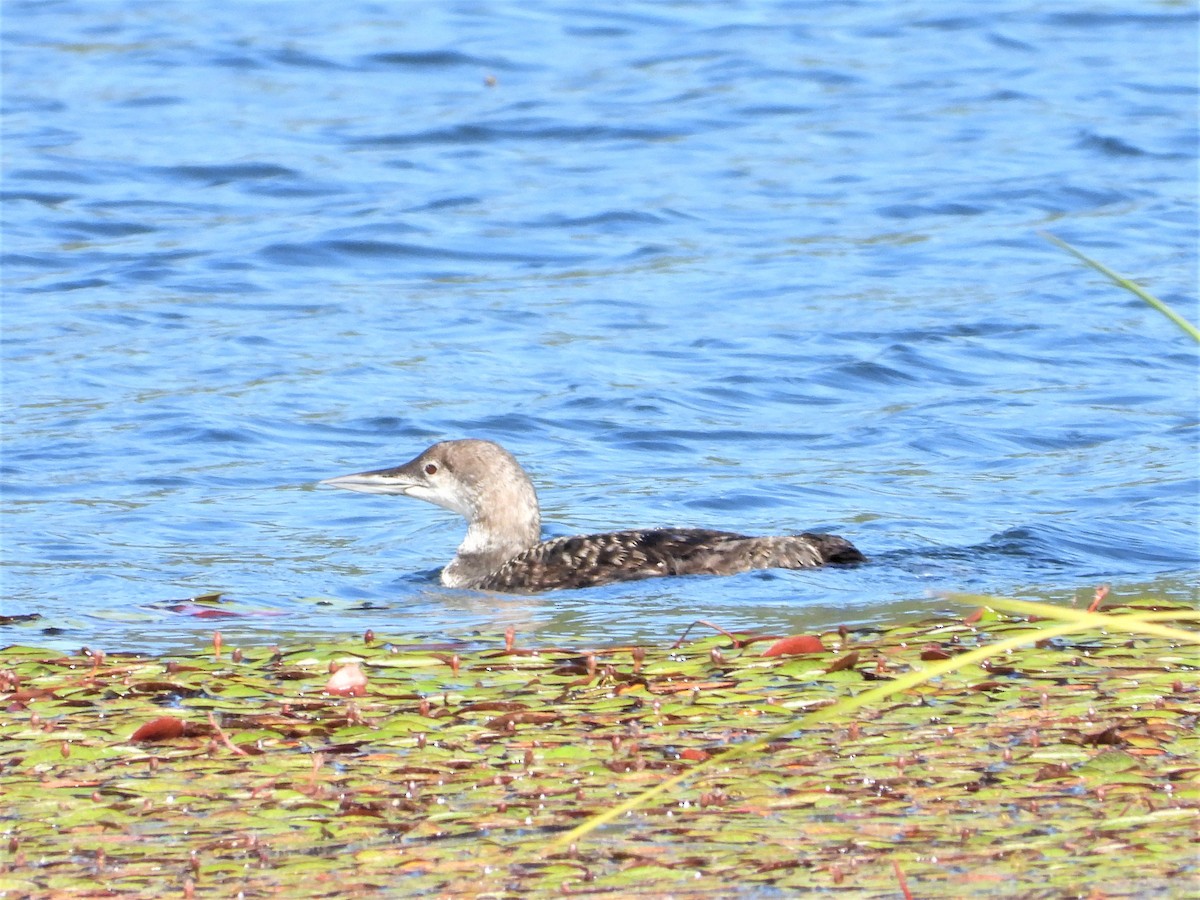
x=431 y=468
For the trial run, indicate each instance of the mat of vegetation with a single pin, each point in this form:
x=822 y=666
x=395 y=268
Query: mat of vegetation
x=1068 y=768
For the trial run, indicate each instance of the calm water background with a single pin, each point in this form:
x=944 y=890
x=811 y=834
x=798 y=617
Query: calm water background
x=759 y=266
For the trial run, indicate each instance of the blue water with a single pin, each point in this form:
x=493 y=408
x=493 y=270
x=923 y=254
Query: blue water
x=762 y=267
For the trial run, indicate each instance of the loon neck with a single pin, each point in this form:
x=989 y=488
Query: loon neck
x=503 y=519
x=489 y=544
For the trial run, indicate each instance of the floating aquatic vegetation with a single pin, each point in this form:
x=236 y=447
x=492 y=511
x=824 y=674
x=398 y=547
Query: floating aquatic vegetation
x=461 y=767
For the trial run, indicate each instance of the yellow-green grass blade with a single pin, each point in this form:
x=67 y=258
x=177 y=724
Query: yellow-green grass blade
x=1128 y=623
x=1130 y=286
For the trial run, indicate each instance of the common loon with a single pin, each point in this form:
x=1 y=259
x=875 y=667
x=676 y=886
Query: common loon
x=503 y=550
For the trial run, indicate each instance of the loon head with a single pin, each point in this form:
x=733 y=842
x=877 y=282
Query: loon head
x=479 y=480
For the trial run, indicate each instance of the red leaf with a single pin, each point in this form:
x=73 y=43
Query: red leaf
x=201 y=612
x=679 y=687
x=795 y=645
x=348 y=681
x=1052 y=770
x=693 y=753
x=849 y=661
x=23 y=697
x=986 y=686
x=508 y=720
x=165 y=728
x=1109 y=735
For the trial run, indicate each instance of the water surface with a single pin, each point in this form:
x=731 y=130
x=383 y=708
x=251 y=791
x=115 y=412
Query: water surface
x=763 y=267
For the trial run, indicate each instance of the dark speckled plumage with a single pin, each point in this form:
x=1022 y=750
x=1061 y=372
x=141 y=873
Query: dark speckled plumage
x=587 y=560
x=503 y=550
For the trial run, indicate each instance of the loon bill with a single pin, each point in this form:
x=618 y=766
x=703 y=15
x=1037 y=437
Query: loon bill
x=503 y=549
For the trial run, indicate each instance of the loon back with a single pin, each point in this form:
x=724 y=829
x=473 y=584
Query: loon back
x=502 y=551
x=591 y=560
